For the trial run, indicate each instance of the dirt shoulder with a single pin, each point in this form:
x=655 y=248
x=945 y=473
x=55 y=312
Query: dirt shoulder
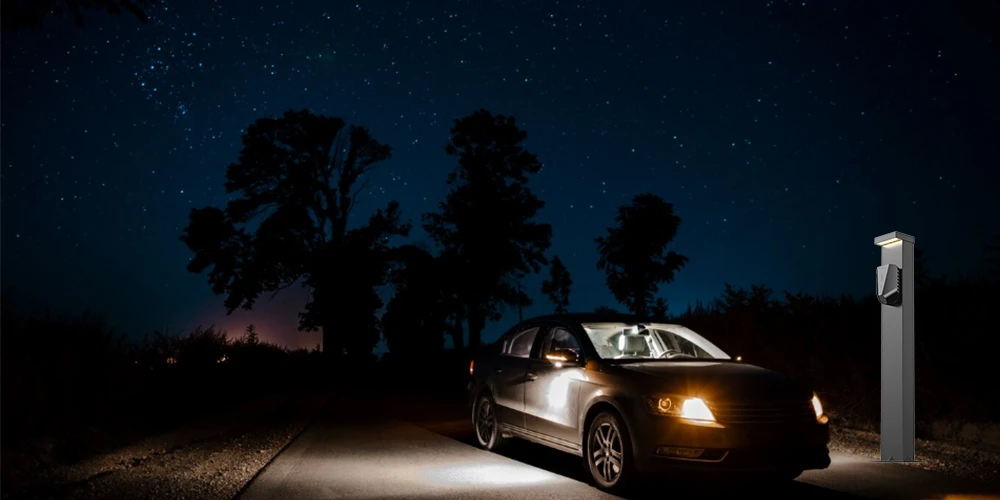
x=211 y=457
x=960 y=460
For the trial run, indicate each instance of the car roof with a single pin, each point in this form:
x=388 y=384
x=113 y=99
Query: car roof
x=596 y=317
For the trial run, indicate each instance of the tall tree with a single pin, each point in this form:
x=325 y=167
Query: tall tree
x=250 y=335
x=659 y=308
x=605 y=311
x=31 y=14
x=732 y=298
x=292 y=191
x=634 y=255
x=486 y=224
x=558 y=285
x=760 y=299
x=414 y=321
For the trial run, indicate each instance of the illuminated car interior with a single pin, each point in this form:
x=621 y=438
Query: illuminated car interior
x=652 y=341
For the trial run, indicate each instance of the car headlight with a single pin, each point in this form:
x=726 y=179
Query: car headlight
x=817 y=407
x=688 y=408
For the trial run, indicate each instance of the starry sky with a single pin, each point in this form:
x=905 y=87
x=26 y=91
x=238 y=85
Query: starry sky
x=787 y=135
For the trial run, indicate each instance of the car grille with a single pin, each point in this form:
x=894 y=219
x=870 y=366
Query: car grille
x=772 y=412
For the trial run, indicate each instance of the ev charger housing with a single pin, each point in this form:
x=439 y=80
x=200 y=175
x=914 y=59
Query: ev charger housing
x=888 y=285
x=894 y=289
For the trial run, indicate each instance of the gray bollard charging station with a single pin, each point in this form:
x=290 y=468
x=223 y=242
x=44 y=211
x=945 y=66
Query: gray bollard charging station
x=894 y=282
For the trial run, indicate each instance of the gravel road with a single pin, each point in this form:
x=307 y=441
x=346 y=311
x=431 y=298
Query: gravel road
x=211 y=458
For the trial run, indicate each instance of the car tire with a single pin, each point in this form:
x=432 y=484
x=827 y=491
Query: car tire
x=608 y=436
x=486 y=425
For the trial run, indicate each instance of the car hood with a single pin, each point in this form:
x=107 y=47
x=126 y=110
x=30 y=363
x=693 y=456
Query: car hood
x=715 y=381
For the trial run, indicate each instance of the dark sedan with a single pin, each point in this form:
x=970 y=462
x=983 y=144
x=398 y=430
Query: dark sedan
x=640 y=398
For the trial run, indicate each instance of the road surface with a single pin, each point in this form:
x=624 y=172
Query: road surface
x=368 y=456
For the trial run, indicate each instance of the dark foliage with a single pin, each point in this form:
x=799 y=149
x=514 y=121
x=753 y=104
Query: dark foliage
x=346 y=300
x=634 y=255
x=659 y=308
x=294 y=187
x=993 y=257
x=557 y=287
x=921 y=275
x=31 y=14
x=250 y=334
x=72 y=387
x=415 y=319
x=443 y=372
x=835 y=344
x=486 y=223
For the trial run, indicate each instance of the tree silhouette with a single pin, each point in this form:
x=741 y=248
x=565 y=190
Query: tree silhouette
x=634 y=255
x=486 y=222
x=558 y=285
x=292 y=191
x=921 y=275
x=345 y=283
x=993 y=257
x=605 y=310
x=31 y=14
x=250 y=334
x=732 y=298
x=414 y=321
x=659 y=308
x=760 y=300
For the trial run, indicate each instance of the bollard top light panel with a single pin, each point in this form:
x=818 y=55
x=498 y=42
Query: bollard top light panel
x=893 y=238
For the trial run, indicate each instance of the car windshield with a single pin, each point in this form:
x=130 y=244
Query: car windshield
x=650 y=341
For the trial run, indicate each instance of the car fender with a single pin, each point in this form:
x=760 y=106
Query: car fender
x=614 y=401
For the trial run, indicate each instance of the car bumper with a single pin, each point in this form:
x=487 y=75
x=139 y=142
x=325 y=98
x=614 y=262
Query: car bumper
x=665 y=443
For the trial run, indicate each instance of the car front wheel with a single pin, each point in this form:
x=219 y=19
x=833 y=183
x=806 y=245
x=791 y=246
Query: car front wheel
x=609 y=454
x=486 y=425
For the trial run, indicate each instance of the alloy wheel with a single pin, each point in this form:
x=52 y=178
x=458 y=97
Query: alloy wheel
x=606 y=452
x=485 y=423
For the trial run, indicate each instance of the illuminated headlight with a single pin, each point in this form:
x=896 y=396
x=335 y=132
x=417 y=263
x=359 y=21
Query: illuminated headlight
x=688 y=408
x=817 y=407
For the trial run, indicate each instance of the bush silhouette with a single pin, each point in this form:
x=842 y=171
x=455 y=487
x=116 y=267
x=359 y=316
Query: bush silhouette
x=71 y=386
x=834 y=344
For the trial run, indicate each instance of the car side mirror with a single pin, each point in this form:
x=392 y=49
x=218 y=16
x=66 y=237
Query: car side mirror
x=563 y=357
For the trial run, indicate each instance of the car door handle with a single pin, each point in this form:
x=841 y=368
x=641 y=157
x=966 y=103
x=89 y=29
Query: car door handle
x=531 y=376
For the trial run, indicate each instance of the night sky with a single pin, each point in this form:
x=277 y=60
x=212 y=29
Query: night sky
x=787 y=135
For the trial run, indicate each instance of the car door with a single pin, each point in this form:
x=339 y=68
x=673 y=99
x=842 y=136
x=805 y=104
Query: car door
x=510 y=375
x=551 y=395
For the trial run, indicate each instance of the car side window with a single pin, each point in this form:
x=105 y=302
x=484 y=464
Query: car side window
x=520 y=343
x=561 y=338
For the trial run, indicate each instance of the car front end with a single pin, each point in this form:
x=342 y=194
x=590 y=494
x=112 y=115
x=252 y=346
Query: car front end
x=690 y=433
